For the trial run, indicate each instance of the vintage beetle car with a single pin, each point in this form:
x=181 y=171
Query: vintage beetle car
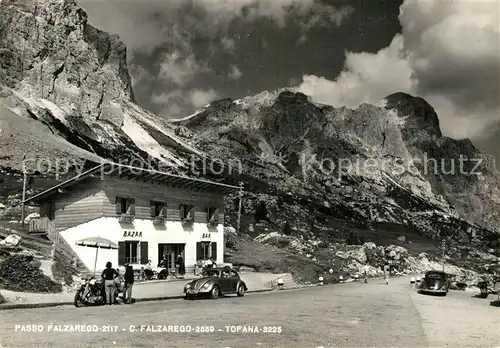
x=435 y=282
x=215 y=282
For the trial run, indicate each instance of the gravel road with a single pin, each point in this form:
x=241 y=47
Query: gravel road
x=346 y=315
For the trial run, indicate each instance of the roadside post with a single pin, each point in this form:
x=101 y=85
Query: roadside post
x=280 y=284
x=341 y=279
x=321 y=280
x=443 y=247
x=412 y=282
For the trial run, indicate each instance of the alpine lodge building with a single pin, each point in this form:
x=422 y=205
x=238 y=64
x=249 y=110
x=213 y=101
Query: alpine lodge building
x=144 y=214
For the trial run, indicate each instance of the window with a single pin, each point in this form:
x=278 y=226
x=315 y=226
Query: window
x=206 y=250
x=125 y=206
x=132 y=252
x=212 y=214
x=186 y=211
x=158 y=209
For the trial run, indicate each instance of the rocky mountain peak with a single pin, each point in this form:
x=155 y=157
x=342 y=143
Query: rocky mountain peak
x=49 y=51
x=421 y=121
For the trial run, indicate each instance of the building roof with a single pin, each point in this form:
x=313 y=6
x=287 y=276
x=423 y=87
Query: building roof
x=122 y=171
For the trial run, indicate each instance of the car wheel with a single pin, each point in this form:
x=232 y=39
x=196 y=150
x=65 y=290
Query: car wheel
x=215 y=292
x=241 y=290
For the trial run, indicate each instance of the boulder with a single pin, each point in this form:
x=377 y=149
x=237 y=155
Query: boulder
x=342 y=254
x=358 y=254
x=11 y=240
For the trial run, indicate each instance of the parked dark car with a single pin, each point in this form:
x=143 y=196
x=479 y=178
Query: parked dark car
x=435 y=282
x=216 y=282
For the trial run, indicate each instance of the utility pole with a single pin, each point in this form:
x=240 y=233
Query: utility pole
x=24 y=191
x=239 y=207
x=443 y=247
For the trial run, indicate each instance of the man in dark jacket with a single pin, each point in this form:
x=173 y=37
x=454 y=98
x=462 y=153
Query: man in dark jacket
x=129 y=282
x=181 y=266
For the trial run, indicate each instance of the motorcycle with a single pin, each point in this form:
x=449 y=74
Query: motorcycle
x=92 y=292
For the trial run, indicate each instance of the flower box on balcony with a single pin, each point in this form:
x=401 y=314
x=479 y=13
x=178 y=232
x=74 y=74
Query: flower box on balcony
x=187 y=221
x=158 y=220
x=127 y=218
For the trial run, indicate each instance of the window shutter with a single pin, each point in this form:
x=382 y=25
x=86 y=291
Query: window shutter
x=214 y=251
x=163 y=212
x=182 y=210
x=118 y=205
x=199 y=251
x=191 y=211
x=121 y=253
x=153 y=209
x=144 y=253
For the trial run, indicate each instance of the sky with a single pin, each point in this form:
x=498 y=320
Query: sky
x=183 y=54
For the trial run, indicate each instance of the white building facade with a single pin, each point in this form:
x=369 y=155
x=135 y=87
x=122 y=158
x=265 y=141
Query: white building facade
x=145 y=215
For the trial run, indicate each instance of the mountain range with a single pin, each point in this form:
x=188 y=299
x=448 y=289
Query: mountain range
x=67 y=103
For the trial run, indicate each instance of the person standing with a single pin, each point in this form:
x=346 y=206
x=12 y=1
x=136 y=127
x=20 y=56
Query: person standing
x=366 y=269
x=109 y=274
x=129 y=282
x=181 y=266
x=387 y=270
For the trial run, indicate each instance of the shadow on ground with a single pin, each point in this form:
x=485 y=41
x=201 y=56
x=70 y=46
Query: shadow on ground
x=495 y=303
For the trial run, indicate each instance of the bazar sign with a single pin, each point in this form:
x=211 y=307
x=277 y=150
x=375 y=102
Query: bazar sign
x=132 y=234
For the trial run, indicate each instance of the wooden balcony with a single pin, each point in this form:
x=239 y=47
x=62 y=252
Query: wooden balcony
x=39 y=225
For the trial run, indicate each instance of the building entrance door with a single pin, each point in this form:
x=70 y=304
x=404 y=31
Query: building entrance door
x=170 y=251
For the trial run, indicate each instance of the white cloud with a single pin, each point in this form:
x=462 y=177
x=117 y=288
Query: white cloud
x=367 y=78
x=178 y=101
x=448 y=53
x=228 y=44
x=235 y=73
x=138 y=74
x=324 y=16
x=148 y=24
x=179 y=69
x=199 y=97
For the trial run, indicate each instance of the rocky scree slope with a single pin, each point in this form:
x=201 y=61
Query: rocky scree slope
x=65 y=94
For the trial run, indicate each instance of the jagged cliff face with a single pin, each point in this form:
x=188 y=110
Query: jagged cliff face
x=65 y=92
x=377 y=164
x=49 y=51
x=72 y=80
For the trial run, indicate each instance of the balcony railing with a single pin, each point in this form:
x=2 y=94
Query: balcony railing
x=126 y=218
x=159 y=220
x=39 y=225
